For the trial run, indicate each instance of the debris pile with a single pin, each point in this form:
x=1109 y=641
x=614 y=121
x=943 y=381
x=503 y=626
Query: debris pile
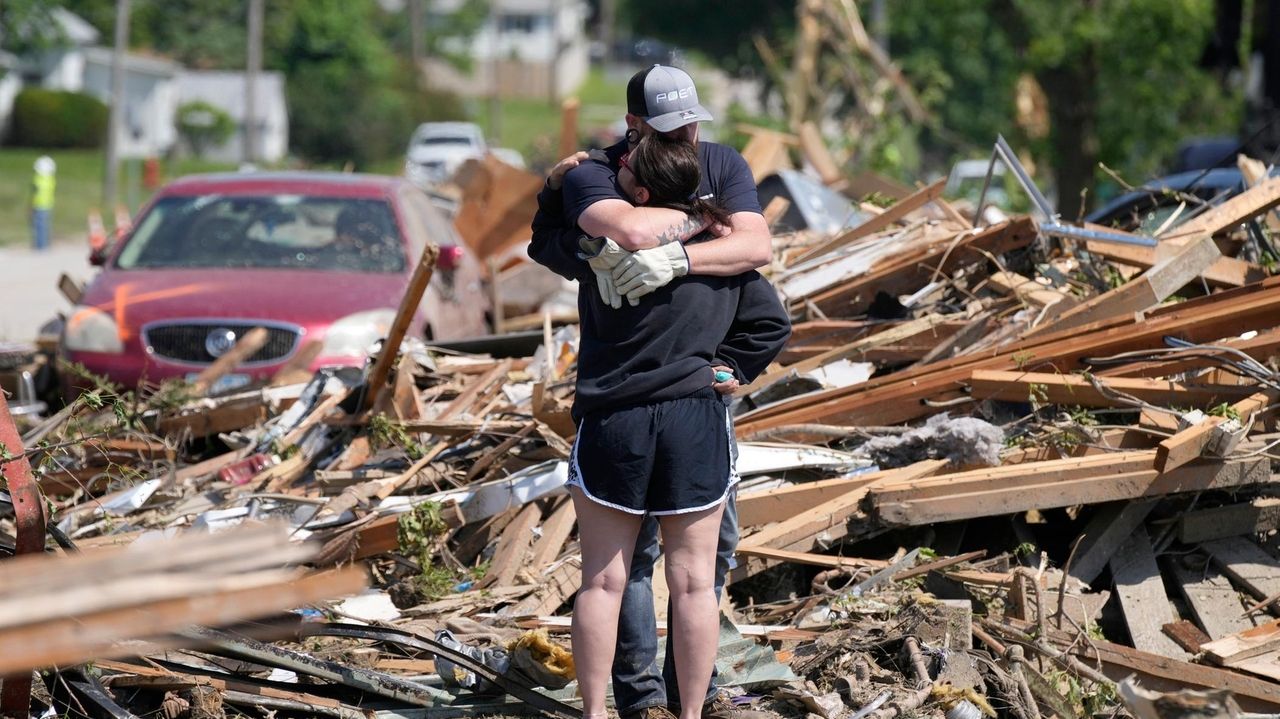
x=998 y=469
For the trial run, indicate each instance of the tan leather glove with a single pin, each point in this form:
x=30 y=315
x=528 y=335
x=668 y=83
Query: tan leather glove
x=603 y=255
x=644 y=271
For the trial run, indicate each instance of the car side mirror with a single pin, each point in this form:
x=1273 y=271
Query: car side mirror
x=98 y=256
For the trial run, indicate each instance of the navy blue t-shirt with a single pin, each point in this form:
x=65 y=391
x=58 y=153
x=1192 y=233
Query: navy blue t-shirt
x=726 y=181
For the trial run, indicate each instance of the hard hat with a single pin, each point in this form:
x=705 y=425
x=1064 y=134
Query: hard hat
x=45 y=165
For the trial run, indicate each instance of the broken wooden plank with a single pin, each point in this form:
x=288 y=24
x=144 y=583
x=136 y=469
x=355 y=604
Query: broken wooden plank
x=1227 y=215
x=555 y=530
x=1186 y=635
x=1224 y=272
x=1246 y=644
x=780 y=503
x=513 y=545
x=1143 y=292
x=1234 y=520
x=1054 y=388
x=1213 y=435
x=1142 y=599
x=1214 y=603
x=1029 y=291
x=809 y=558
x=409 y=302
x=1108 y=529
x=893 y=214
x=988 y=492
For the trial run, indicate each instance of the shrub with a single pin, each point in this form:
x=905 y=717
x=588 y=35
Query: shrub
x=203 y=126
x=53 y=118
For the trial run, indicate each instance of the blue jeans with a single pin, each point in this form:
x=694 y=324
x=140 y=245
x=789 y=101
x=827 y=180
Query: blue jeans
x=40 y=228
x=637 y=683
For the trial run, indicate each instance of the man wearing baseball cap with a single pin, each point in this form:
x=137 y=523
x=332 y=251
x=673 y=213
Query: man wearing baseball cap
x=663 y=99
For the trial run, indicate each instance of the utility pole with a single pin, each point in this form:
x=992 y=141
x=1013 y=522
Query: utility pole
x=115 y=122
x=495 y=103
x=253 y=67
x=417 y=32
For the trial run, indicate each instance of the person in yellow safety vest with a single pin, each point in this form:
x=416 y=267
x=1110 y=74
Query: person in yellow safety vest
x=42 y=188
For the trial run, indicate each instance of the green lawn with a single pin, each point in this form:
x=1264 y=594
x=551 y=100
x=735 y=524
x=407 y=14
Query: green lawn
x=79 y=189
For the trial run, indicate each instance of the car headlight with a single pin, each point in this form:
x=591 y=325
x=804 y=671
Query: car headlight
x=355 y=334
x=90 y=329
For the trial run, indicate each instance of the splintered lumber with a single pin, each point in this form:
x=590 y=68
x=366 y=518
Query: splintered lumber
x=1250 y=203
x=1193 y=441
x=1057 y=483
x=856 y=348
x=766 y=150
x=780 y=503
x=1186 y=635
x=555 y=530
x=899 y=397
x=513 y=545
x=1053 y=388
x=818 y=154
x=1251 y=642
x=897 y=212
x=809 y=558
x=1224 y=272
x=1247 y=564
x=245 y=347
x=386 y=360
x=1109 y=528
x=1214 y=603
x=1029 y=291
x=908 y=272
x=1143 y=292
x=1142 y=599
x=828 y=520
x=65 y=610
x=1233 y=520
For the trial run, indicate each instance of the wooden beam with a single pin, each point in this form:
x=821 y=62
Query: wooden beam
x=985 y=493
x=781 y=503
x=513 y=546
x=555 y=530
x=1054 y=388
x=1227 y=215
x=1141 y=293
x=1194 y=441
x=809 y=558
x=409 y=302
x=819 y=155
x=1224 y=272
x=1029 y=291
x=881 y=221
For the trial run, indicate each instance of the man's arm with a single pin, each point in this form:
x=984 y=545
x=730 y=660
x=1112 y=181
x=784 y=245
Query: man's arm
x=747 y=246
x=638 y=228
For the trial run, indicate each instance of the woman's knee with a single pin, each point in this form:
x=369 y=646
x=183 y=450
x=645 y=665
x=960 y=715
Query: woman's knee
x=612 y=580
x=690 y=575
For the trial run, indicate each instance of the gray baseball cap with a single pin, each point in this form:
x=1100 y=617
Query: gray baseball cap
x=665 y=97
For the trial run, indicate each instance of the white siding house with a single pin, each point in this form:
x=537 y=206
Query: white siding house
x=525 y=48
x=226 y=91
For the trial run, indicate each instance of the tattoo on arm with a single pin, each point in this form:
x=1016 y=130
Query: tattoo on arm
x=679 y=231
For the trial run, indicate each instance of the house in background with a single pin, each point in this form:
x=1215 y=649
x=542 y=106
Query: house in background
x=226 y=90
x=153 y=88
x=525 y=48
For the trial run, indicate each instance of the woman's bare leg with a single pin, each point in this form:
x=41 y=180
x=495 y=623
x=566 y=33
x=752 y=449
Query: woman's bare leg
x=608 y=538
x=689 y=541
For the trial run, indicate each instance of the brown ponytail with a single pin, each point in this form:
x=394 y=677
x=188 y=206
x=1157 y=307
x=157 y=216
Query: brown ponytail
x=670 y=170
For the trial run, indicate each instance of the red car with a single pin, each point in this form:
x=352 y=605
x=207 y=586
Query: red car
x=308 y=256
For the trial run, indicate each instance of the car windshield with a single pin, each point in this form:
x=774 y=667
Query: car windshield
x=266 y=231
x=439 y=140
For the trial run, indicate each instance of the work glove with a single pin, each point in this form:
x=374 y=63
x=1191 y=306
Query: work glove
x=603 y=255
x=644 y=271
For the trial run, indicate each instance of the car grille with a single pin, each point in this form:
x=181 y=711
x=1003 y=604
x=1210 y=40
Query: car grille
x=185 y=342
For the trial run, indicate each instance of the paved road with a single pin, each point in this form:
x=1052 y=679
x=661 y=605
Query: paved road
x=29 y=294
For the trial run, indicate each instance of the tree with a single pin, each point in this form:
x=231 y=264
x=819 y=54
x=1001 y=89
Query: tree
x=203 y=126
x=719 y=31
x=1121 y=79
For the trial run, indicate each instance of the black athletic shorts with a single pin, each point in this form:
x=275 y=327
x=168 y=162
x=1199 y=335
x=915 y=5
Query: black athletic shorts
x=662 y=458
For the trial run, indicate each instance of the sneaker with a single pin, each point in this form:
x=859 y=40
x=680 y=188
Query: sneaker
x=658 y=712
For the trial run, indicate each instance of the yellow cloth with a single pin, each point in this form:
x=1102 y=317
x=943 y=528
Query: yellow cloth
x=42 y=192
